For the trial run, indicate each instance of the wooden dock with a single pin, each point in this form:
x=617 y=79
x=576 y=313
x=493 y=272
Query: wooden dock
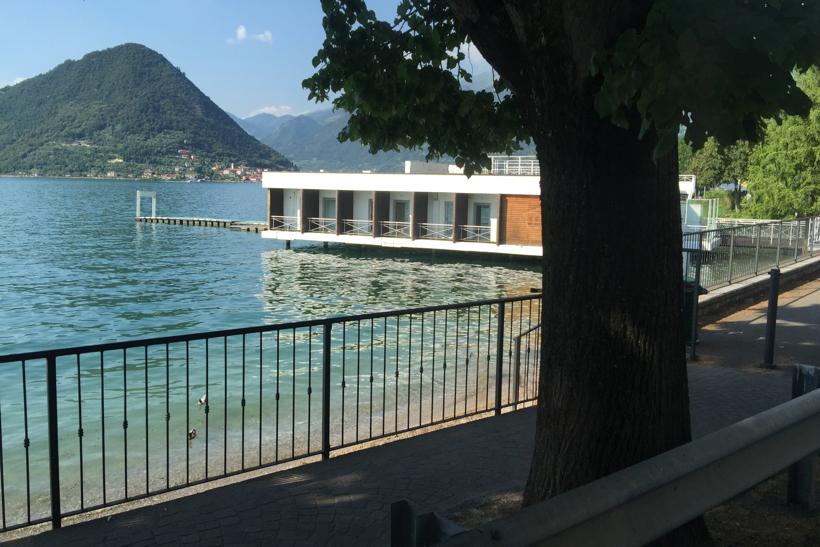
x=240 y=225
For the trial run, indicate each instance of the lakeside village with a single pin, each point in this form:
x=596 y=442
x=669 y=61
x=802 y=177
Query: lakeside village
x=188 y=170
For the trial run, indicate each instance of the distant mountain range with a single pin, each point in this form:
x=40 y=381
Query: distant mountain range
x=123 y=110
x=310 y=141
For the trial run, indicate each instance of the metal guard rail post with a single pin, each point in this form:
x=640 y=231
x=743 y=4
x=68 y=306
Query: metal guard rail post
x=643 y=502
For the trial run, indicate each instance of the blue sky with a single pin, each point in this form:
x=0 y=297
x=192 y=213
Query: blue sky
x=248 y=56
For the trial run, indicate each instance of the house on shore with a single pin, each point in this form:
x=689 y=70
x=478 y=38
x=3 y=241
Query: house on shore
x=430 y=206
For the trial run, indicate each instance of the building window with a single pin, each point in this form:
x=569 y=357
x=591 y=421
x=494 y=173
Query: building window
x=482 y=214
x=401 y=210
x=329 y=208
x=448 y=212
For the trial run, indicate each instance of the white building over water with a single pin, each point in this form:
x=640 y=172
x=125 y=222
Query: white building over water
x=430 y=206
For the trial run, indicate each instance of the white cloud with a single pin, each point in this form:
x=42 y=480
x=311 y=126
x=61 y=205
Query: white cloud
x=242 y=35
x=15 y=82
x=275 y=110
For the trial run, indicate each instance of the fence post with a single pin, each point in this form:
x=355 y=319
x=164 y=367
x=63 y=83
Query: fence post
x=779 y=241
x=693 y=325
x=499 y=357
x=328 y=326
x=757 y=248
x=731 y=252
x=800 y=484
x=771 y=319
x=53 y=440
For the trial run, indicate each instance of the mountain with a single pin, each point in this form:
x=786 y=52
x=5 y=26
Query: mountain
x=249 y=128
x=292 y=131
x=322 y=151
x=267 y=123
x=123 y=109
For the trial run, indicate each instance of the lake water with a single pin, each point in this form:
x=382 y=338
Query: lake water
x=77 y=269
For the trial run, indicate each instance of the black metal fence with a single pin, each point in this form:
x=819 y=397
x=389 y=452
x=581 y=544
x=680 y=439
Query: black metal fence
x=731 y=253
x=87 y=427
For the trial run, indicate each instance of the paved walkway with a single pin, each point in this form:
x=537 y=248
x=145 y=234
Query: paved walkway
x=738 y=340
x=346 y=500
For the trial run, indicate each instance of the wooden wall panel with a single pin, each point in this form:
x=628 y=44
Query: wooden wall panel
x=520 y=220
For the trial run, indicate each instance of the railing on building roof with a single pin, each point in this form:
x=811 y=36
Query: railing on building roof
x=514 y=165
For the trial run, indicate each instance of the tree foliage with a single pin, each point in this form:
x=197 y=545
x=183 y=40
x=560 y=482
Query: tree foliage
x=784 y=171
x=717 y=68
x=403 y=82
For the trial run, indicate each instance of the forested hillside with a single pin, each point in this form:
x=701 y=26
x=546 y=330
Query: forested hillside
x=123 y=109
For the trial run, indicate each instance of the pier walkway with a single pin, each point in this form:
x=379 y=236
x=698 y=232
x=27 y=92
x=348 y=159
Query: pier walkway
x=346 y=500
x=245 y=226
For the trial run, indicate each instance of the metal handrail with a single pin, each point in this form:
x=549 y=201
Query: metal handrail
x=391 y=228
x=435 y=231
x=268 y=394
x=285 y=223
x=475 y=233
x=743 y=251
x=641 y=503
x=322 y=225
x=358 y=227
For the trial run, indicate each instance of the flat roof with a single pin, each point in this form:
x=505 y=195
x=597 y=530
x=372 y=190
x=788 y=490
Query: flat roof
x=404 y=182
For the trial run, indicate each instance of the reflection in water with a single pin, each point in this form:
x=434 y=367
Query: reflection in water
x=311 y=283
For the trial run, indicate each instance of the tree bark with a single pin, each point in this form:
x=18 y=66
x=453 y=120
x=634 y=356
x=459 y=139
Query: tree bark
x=613 y=386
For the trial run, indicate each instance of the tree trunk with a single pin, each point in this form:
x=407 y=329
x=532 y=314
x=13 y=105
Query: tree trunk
x=613 y=386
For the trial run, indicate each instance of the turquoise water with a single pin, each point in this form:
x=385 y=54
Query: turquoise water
x=76 y=269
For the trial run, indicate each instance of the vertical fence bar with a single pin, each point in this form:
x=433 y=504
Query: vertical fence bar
x=796 y=225
x=147 y=435
x=102 y=423
x=225 y=407
x=168 y=417
x=80 y=431
x=53 y=442
x=326 y=341
x=779 y=241
x=731 y=254
x=2 y=474
x=693 y=321
x=757 y=249
x=244 y=349
x=187 y=411
x=125 y=419
x=499 y=357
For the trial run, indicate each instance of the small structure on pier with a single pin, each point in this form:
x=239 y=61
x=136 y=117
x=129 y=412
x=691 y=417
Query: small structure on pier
x=146 y=194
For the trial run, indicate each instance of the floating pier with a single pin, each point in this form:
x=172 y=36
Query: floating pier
x=241 y=225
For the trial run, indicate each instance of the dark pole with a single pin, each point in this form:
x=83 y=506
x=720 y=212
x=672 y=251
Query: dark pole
x=326 y=341
x=693 y=325
x=499 y=357
x=771 y=319
x=53 y=440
